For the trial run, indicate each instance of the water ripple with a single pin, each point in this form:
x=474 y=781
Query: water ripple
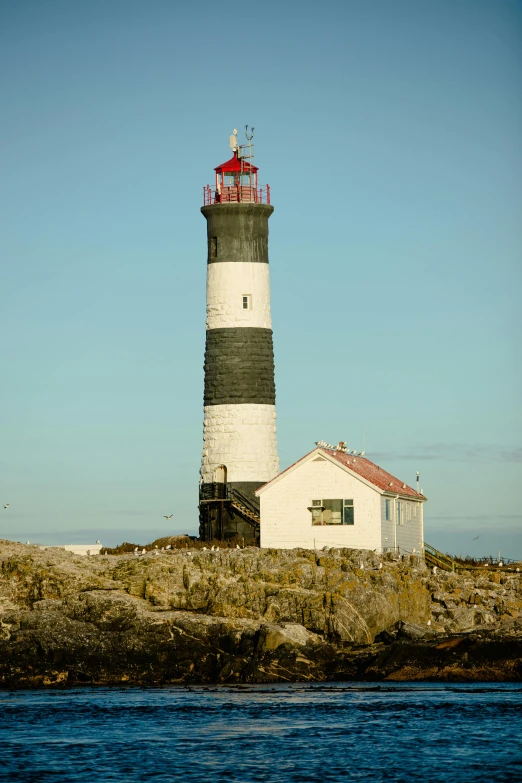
x=281 y=733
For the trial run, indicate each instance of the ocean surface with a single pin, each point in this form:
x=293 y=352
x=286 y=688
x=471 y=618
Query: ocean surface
x=276 y=733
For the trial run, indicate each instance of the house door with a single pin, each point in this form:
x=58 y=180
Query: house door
x=220 y=474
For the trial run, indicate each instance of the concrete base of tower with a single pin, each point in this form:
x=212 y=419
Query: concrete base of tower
x=229 y=511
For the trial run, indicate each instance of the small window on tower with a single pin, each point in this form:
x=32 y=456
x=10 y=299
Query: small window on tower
x=247 y=301
x=212 y=249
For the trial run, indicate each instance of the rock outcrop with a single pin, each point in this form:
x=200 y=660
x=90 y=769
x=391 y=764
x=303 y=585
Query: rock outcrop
x=250 y=615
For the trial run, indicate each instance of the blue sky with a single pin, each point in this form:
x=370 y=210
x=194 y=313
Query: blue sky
x=390 y=136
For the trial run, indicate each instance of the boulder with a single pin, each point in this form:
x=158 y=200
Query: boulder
x=412 y=631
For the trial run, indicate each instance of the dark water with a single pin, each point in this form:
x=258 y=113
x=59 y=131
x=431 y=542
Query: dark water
x=360 y=732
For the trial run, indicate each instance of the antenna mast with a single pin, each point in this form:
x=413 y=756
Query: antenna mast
x=249 y=156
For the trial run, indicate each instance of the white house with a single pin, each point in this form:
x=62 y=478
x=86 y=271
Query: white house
x=334 y=498
x=78 y=549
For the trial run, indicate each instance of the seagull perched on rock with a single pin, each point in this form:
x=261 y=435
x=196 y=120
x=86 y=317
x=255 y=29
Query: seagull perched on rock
x=143 y=551
x=237 y=546
x=135 y=548
x=168 y=517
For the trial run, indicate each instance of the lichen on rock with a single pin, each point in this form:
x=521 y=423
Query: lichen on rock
x=249 y=615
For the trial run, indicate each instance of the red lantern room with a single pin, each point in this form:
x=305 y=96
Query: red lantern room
x=236 y=180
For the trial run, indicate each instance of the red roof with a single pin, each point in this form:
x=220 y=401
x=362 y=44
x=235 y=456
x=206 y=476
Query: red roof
x=373 y=473
x=367 y=470
x=234 y=164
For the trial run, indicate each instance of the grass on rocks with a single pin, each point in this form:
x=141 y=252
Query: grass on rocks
x=175 y=542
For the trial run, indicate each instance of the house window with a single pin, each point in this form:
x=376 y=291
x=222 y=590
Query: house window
x=332 y=512
x=348 y=518
x=247 y=301
x=388 y=509
x=400 y=513
x=317 y=512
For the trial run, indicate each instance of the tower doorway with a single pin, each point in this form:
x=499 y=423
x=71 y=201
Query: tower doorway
x=220 y=474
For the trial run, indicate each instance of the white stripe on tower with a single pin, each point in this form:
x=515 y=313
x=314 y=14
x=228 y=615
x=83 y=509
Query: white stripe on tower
x=239 y=428
x=227 y=283
x=242 y=437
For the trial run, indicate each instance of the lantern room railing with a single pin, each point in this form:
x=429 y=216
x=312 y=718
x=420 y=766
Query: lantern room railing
x=236 y=193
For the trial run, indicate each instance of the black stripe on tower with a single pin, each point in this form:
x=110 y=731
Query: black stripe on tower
x=239 y=366
x=237 y=232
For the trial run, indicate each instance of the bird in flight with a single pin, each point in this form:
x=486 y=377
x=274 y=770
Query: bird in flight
x=167 y=517
x=474 y=539
x=6 y=505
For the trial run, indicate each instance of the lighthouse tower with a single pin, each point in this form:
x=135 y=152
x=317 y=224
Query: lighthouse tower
x=239 y=431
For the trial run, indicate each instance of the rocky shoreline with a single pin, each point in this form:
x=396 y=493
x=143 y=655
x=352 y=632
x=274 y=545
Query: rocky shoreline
x=251 y=615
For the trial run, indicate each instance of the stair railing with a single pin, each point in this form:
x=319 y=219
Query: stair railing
x=434 y=557
x=238 y=496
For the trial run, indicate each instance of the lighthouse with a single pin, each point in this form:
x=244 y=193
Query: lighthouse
x=239 y=429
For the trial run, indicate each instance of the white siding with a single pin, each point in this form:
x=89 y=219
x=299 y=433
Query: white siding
x=410 y=534
x=287 y=523
x=388 y=525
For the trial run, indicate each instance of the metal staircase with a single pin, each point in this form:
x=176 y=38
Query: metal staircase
x=433 y=557
x=225 y=512
x=244 y=507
